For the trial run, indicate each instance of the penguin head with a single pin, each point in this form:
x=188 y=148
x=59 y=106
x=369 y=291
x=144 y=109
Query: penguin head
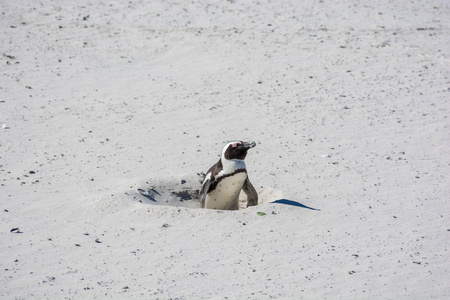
x=237 y=150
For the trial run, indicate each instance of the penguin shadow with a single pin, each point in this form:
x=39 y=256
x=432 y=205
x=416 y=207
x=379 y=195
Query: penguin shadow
x=293 y=203
x=270 y=195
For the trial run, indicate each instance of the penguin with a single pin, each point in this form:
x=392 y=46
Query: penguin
x=225 y=179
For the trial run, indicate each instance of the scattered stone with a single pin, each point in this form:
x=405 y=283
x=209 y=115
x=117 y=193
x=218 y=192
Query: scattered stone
x=9 y=56
x=425 y=28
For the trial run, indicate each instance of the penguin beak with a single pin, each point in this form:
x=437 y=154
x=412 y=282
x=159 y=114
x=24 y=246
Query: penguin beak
x=247 y=145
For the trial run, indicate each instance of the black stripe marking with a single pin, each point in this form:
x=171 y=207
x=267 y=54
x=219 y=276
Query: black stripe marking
x=216 y=181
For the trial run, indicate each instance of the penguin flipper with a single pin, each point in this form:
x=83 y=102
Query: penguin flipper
x=252 y=195
x=204 y=191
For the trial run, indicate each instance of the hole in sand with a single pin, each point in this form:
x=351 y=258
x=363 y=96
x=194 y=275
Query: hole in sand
x=180 y=192
x=184 y=191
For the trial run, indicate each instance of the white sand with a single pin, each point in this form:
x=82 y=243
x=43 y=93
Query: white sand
x=348 y=104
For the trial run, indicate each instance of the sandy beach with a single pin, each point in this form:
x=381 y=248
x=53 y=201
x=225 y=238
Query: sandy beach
x=347 y=101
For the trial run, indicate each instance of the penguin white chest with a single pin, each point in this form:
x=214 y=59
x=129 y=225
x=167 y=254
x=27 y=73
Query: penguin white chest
x=226 y=193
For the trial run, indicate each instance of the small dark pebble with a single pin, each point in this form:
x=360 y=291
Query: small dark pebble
x=16 y=230
x=183 y=181
x=125 y=288
x=165 y=225
x=32 y=172
x=98 y=241
x=78 y=245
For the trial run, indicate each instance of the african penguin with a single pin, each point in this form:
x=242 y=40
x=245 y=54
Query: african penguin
x=224 y=180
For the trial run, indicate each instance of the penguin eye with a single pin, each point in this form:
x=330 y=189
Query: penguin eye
x=236 y=144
